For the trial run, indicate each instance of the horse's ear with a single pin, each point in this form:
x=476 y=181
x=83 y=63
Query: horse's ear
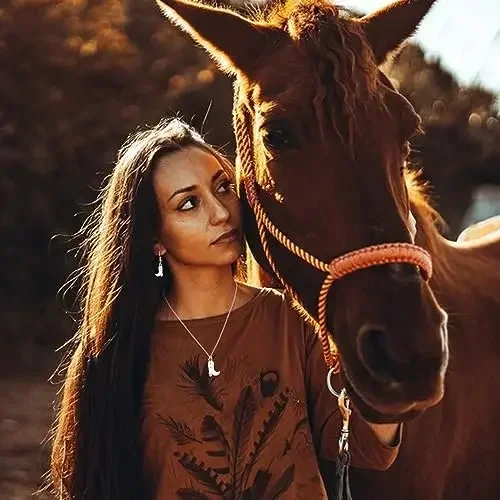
x=234 y=42
x=390 y=26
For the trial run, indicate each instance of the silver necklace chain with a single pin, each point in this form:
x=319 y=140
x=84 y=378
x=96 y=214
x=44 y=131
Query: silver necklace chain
x=212 y=372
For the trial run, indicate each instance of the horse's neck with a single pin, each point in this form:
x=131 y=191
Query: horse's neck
x=256 y=276
x=467 y=277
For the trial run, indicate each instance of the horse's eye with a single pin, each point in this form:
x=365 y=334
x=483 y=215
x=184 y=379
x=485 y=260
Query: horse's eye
x=277 y=136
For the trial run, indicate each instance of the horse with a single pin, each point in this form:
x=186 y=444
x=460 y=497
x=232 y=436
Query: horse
x=337 y=216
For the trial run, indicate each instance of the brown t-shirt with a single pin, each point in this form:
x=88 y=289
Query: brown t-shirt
x=254 y=431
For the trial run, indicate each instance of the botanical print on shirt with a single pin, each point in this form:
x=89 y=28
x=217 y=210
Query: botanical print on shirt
x=225 y=461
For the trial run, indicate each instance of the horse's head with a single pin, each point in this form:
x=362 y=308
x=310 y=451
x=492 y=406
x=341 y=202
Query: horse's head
x=328 y=136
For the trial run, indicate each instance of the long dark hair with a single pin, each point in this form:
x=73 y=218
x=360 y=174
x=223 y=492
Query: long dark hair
x=97 y=452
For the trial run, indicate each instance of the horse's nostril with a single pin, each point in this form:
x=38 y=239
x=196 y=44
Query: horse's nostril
x=374 y=353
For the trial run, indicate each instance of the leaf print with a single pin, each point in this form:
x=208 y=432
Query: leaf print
x=213 y=433
x=301 y=424
x=180 y=432
x=283 y=483
x=205 y=475
x=198 y=382
x=221 y=470
x=244 y=414
x=288 y=447
x=190 y=494
x=268 y=427
x=259 y=486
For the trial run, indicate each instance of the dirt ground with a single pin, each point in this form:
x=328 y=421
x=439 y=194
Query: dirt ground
x=26 y=413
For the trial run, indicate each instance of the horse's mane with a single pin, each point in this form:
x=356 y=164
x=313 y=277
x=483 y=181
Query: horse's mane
x=339 y=53
x=467 y=276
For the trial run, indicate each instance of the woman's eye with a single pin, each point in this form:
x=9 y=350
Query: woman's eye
x=225 y=187
x=189 y=204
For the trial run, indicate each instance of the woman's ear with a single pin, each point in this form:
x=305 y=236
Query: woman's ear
x=159 y=249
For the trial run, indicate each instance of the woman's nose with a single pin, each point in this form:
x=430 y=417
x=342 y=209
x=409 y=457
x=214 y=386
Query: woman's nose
x=219 y=212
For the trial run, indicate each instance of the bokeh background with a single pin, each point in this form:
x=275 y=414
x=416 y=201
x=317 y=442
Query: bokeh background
x=77 y=76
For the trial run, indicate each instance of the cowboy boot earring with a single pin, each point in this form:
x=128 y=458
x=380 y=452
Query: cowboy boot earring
x=159 y=274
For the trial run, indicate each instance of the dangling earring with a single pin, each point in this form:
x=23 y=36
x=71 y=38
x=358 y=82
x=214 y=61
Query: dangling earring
x=159 y=274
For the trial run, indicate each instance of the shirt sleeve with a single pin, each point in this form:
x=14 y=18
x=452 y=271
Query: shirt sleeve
x=367 y=451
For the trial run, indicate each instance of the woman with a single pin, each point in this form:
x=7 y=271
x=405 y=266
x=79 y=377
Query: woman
x=186 y=383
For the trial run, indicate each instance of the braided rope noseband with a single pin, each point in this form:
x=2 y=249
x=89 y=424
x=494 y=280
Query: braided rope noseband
x=375 y=255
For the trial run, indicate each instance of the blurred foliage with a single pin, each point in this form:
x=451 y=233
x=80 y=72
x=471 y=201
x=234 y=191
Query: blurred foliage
x=79 y=75
x=461 y=146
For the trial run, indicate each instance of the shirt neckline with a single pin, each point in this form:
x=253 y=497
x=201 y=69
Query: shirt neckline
x=170 y=323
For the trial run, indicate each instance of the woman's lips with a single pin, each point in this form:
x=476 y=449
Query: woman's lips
x=227 y=237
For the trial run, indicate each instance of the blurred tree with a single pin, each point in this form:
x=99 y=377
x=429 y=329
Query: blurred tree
x=79 y=75
x=461 y=146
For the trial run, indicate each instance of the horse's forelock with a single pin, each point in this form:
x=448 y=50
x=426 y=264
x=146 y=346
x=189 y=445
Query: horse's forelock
x=346 y=75
x=344 y=68
x=307 y=18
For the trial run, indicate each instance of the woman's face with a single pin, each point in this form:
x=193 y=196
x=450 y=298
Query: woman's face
x=200 y=211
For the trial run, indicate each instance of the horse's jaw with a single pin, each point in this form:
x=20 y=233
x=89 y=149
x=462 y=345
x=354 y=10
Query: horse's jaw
x=387 y=414
x=393 y=344
x=381 y=407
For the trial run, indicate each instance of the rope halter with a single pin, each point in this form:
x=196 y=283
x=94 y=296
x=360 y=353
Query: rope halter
x=375 y=255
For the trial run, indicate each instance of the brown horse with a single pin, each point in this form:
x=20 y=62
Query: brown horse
x=322 y=139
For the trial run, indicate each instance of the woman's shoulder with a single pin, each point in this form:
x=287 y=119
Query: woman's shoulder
x=266 y=295
x=273 y=302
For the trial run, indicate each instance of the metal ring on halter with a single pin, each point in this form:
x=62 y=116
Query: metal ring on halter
x=329 y=383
